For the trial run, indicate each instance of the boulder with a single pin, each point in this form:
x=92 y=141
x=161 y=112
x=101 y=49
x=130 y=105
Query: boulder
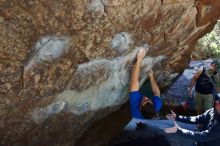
x=66 y=64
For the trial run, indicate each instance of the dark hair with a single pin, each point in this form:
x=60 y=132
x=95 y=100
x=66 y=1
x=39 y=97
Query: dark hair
x=148 y=111
x=214 y=62
x=217 y=97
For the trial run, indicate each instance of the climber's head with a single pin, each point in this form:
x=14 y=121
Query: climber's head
x=147 y=108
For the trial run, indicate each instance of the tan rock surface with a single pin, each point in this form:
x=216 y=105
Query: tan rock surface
x=65 y=64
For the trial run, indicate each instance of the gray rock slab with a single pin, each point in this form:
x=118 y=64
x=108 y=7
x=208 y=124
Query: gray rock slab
x=155 y=128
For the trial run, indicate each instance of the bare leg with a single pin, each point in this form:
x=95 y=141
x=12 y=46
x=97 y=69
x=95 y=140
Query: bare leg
x=134 y=86
x=154 y=85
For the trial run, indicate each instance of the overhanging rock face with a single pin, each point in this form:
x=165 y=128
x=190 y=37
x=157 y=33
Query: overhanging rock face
x=65 y=64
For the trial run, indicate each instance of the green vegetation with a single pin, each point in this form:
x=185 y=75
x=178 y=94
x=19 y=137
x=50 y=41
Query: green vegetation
x=210 y=43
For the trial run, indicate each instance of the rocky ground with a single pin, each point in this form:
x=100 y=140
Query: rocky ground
x=152 y=134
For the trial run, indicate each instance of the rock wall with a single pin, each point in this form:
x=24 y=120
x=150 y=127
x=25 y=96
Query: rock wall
x=65 y=64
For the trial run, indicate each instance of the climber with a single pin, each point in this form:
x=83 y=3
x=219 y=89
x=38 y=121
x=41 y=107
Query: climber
x=143 y=107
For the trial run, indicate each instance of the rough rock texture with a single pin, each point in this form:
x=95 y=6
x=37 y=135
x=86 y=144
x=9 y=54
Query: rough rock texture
x=65 y=64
